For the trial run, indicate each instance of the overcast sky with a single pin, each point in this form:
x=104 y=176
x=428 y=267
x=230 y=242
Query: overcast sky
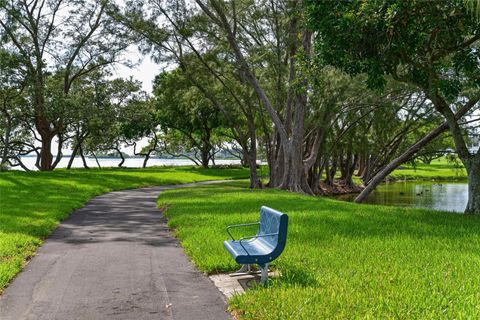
x=145 y=71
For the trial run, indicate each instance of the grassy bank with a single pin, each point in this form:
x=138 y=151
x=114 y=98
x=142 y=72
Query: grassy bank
x=33 y=203
x=438 y=170
x=342 y=260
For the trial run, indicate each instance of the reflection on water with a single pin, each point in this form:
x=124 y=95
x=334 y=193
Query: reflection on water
x=432 y=195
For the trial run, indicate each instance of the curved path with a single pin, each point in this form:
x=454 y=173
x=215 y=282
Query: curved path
x=115 y=258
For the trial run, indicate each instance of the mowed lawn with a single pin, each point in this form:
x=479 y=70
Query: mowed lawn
x=342 y=260
x=33 y=203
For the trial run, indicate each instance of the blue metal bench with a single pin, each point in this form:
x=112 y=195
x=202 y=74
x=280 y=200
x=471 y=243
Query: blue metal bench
x=262 y=248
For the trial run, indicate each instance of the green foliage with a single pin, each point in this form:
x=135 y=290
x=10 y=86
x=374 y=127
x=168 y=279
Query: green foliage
x=110 y=112
x=189 y=119
x=421 y=42
x=342 y=260
x=33 y=204
x=474 y=7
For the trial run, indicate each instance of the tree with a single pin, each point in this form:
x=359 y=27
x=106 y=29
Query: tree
x=140 y=119
x=181 y=107
x=70 y=43
x=15 y=138
x=116 y=113
x=433 y=46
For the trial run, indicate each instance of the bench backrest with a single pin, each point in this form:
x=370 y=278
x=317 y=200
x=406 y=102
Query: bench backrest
x=273 y=221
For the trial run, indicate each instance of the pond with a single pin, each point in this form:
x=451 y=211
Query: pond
x=446 y=196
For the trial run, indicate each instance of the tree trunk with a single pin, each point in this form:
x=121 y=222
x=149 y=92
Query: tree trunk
x=294 y=178
x=43 y=127
x=20 y=163
x=59 y=155
x=330 y=172
x=147 y=156
x=80 y=149
x=382 y=174
x=471 y=162
x=277 y=164
x=361 y=165
x=72 y=156
x=254 y=181
x=80 y=138
x=6 y=146
x=473 y=205
x=250 y=157
x=96 y=160
x=121 y=156
x=46 y=157
x=205 y=157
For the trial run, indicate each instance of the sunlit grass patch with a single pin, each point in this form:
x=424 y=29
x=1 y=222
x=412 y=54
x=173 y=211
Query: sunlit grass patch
x=342 y=260
x=439 y=170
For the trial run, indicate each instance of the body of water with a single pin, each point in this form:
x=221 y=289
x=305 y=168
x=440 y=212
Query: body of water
x=448 y=196
x=129 y=162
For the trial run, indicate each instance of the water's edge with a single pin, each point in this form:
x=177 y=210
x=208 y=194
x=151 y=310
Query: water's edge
x=444 y=196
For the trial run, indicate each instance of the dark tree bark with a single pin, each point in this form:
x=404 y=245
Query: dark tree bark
x=147 y=157
x=205 y=157
x=96 y=160
x=80 y=138
x=72 y=156
x=46 y=134
x=80 y=150
x=121 y=156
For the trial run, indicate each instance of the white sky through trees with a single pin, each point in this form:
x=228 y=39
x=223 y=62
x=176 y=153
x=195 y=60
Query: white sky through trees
x=144 y=69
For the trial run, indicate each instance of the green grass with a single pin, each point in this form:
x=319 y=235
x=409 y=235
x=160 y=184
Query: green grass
x=342 y=260
x=33 y=203
x=439 y=170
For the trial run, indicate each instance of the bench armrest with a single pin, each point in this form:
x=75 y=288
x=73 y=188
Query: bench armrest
x=238 y=226
x=255 y=236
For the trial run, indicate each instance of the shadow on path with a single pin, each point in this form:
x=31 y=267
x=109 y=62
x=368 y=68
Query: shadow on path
x=115 y=258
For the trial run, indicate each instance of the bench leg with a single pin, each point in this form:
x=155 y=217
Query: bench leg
x=244 y=270
x=264 y=273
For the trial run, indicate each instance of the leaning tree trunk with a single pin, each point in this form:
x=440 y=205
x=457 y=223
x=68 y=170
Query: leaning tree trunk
x=407 y=155
x=80 y=150
x=72 y=156
x=96 y=160
x=80 y=138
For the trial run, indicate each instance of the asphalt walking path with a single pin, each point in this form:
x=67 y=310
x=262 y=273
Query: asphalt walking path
x=115 y=258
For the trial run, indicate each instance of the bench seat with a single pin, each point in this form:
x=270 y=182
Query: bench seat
x=265 y=246
x=253 y=251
